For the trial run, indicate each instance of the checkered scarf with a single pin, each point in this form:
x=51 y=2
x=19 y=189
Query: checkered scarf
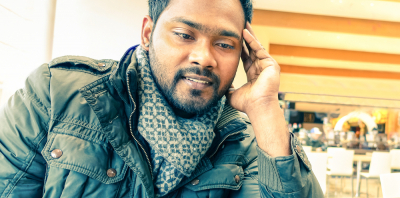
x=177 y=144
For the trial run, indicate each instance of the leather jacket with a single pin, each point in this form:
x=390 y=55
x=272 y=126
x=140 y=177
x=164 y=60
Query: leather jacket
x=71 y=132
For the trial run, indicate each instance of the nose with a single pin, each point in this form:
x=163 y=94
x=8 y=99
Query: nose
x=202 y=55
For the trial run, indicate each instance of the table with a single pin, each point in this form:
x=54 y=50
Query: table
x=361 y=151
x=359 y=159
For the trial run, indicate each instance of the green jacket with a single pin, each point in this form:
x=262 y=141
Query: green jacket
x=71 y=132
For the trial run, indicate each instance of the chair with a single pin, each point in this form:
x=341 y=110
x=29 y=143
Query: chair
x=318 y=163
x=331 y=151
x=307 y=148
x=395 y=159
x=380 y=164
x=390 y=185
x=341 y=164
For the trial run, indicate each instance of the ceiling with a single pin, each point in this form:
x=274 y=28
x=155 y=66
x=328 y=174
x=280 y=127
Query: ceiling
x=340 y=48
x=326 y=108
x=360 y=9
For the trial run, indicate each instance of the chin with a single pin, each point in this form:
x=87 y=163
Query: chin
x=194 y=103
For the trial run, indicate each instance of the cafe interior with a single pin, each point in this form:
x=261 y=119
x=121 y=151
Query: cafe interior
x=340 y=88
x=340 y=72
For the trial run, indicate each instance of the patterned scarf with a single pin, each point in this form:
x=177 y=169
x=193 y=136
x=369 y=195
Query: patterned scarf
x=177 y=144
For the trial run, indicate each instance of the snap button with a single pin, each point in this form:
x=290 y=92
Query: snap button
x=306 y=161
x=111 y=172
x=237 y=179
x=101 y=64
x=56 y=153
x=195 y=182
x=298 y=148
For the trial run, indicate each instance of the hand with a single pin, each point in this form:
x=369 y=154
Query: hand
x=262 y=76
x=258 y=98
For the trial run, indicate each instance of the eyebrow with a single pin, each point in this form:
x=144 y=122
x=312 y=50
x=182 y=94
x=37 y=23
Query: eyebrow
x=202 y=28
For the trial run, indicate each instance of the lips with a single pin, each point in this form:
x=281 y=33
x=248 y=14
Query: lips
x=197 y=82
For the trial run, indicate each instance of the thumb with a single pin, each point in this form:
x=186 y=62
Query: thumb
x=229 y=93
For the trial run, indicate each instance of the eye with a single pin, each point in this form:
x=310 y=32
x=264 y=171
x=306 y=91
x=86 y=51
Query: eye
x=184 y=36
x=225 y=46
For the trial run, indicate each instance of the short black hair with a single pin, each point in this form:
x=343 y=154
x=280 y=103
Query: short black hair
x=156 y=7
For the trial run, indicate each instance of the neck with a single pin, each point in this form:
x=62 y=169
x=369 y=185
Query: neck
x=183 y=114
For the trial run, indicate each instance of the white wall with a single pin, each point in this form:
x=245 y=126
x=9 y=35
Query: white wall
x=98 y=29
x=25 y=40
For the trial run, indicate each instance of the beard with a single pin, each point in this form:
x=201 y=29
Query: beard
x=192 y=102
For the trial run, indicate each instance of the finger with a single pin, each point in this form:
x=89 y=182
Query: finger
x=232 y=88
x=255 y=46
x=246 y=59
x=247 y=47
x=245 y=56
x=266 y=63
x=229 y=93
x=249 y=50
x=248 y=27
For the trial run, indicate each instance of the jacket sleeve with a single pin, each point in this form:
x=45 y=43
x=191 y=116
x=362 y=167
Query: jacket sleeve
x=23 y=131
x=286 y=176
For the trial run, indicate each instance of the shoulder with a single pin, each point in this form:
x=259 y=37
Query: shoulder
x=68 y=74
x=82 y=64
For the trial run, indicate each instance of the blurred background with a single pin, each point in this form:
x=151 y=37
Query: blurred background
x=340 y=60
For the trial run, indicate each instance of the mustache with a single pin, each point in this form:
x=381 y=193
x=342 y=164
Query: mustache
x=201 y=72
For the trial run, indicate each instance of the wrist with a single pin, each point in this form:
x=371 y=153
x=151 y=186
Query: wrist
x=261 y=105
x=269 y=126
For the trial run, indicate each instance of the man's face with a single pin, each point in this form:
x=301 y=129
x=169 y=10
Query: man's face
x=194 y=52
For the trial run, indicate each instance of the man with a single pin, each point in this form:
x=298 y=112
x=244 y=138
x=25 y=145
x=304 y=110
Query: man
x=157 y=123
x=317 y=139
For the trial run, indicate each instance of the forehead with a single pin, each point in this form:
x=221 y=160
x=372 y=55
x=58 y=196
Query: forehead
x=210 y=13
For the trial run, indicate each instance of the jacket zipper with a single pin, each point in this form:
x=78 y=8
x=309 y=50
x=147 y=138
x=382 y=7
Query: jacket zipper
x=223 y=142
x=130 y=127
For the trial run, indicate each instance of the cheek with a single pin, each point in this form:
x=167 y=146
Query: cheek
x=169 y=54
x=227 y=73
x=166 y=66
x=169 y=48
x=229 y=67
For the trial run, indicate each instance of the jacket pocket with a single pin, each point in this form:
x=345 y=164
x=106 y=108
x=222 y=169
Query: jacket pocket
x=92 y=159
x=227 y=176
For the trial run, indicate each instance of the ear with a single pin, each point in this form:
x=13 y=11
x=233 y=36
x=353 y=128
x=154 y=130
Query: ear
x=147 y=28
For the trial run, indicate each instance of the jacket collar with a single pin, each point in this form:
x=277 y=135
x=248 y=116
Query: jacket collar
x=128 y=64
x=118 y=77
